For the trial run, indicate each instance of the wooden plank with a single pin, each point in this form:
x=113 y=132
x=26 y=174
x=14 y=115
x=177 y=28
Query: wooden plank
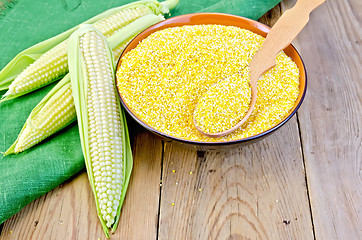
x=271 y=16
x=253 y=192
x=69 y=211
x=139 y=218
x=330 y=118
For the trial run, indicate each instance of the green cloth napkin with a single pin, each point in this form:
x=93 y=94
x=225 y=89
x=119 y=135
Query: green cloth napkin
x=29 y=175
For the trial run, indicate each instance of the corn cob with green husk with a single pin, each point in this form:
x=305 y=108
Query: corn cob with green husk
x=46 y=62
x=56 y=110
x=100 y=120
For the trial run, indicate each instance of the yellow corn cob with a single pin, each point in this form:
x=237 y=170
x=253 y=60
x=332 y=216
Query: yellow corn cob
x=52 y=65
x=56 y=110
x=100 y=121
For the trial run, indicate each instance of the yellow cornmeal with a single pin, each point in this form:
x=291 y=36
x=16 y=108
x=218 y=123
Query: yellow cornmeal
x=163 y=78
x=224 y=104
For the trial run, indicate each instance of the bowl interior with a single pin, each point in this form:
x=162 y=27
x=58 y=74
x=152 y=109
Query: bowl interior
x=221 y=19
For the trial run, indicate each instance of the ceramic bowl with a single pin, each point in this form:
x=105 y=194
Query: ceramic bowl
x=228 y=20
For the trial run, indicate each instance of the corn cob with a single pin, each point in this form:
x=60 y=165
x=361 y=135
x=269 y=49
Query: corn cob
x=56 y=110
x=52 y=64
x=100 y=122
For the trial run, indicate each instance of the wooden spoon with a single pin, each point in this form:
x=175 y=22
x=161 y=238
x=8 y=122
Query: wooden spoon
x=279 y=37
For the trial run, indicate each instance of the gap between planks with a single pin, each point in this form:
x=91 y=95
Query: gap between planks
x=285 y=5
x=305 y=175
x=160 y=194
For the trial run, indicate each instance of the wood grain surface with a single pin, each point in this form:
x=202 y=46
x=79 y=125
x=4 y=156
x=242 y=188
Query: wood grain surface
x=330 y=118
x=246 y=193
x=302 y=182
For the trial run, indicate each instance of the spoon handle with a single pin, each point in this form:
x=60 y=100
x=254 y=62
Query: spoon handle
x=280 y=36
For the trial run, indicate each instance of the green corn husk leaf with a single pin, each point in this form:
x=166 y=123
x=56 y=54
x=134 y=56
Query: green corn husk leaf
x=132 y=29
x=22 y=60
x=119 y=38
x=79 y=83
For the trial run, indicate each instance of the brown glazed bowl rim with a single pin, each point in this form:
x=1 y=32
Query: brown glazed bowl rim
x=221 y=19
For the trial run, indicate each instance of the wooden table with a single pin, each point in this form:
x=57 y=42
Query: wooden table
x=302 y=182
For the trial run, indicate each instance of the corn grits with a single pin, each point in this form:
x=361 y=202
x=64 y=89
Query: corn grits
x=224 y=104
x=162 y=79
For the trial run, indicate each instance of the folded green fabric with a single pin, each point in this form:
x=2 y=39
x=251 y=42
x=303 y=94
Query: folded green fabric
x=29 y=175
